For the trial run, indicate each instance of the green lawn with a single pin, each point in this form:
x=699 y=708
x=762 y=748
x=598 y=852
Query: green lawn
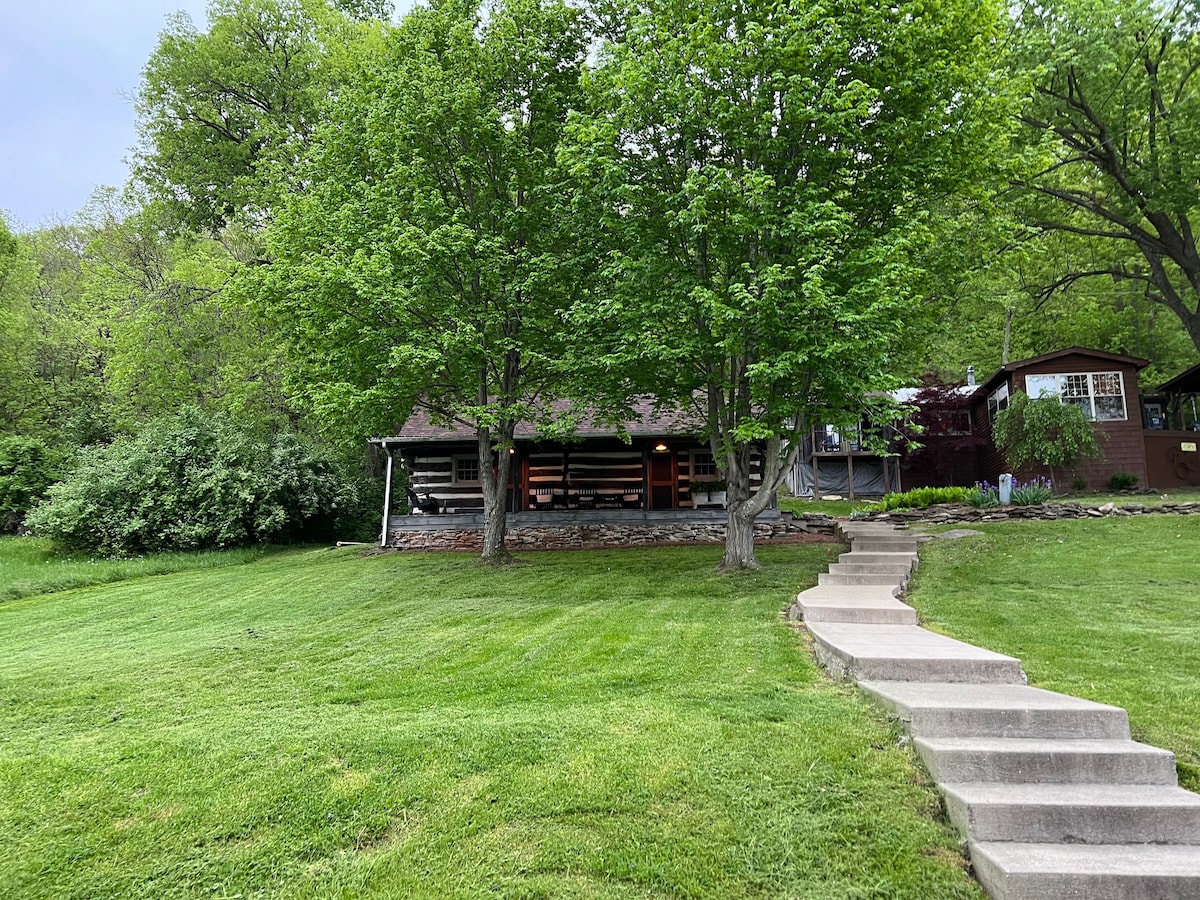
x=30 y=566
x=320 y=724
x=1107 y=609
x=1179 y=495
x=836 y=508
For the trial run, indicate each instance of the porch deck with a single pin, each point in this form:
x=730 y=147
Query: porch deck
x=569 y=517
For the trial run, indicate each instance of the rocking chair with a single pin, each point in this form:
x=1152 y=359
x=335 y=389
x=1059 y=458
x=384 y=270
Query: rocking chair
x=428 y=504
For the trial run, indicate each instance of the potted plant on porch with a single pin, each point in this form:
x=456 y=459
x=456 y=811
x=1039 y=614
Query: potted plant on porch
x=708 y=493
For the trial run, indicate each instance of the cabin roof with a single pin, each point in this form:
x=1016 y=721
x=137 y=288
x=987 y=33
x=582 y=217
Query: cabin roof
x=1008 y=368
x=1184 y=383
x=648 y=420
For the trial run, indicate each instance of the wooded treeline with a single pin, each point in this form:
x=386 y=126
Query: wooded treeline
x=766 y=209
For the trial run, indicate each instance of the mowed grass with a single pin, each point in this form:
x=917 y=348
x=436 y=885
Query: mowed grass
x=322 y=724
x=839 y=509
x=30 y=566
x=1107 y=609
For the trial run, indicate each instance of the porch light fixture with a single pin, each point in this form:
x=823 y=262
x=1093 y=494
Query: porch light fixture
x=660 y=447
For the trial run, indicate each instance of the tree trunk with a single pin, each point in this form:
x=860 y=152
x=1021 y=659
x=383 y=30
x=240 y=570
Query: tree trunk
x=742 y=508
x=739 y=540
x=493 y=476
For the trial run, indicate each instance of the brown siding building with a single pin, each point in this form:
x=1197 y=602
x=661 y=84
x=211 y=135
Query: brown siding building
x=1104 y=385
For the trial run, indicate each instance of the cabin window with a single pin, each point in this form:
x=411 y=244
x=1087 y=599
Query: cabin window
x=466 y=470
x=704 y=466
x=998 y=400
x=1101 y=395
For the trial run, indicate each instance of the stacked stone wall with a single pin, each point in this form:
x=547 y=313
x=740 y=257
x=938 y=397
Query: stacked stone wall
x=953 y=514
x=575 y=536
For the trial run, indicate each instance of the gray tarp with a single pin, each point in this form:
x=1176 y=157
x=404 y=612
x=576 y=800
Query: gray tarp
x=833 y=473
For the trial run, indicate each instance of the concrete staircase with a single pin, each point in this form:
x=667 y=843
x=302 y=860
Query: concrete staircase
x=1053 y=797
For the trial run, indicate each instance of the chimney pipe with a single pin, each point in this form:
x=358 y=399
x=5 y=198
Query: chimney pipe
x=970 y=376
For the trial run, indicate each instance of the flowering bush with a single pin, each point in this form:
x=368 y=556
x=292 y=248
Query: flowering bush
x=1039 y=490
x=984 y=495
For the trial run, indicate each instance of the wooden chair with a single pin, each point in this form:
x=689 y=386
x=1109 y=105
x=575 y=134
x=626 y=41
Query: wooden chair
x=429 y=505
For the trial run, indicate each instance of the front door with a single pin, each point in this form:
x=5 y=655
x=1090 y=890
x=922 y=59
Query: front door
x=662 y=480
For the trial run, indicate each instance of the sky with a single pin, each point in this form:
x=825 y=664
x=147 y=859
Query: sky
x=68 y=74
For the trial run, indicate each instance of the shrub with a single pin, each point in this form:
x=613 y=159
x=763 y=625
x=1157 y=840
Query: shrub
x=1031 y=493
x=921 y=497
x=27 y=469
x=1123 y=481
x=983 y=495
x=1043 y=431
x=191 y=482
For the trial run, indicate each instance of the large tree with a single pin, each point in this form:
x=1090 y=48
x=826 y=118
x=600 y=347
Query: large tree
x=1113 y=127
x=764 y=178
x=219 y=110
x=53 y=345
x=176 y=337
x=423 y=264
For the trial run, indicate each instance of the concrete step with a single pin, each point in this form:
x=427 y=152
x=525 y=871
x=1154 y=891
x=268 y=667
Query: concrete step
x=997 y=710
x=1074 y=813
x=907 y=653
x=880 y=534
x=841 y=578
x=1042 y=761
x=845 y=603
x=883 y=545
x=860 y=568
x=909 y=559
x=853 y=529
x=1019 y=871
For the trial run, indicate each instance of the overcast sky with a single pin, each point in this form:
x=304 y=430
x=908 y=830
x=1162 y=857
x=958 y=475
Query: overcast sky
x=68 y=73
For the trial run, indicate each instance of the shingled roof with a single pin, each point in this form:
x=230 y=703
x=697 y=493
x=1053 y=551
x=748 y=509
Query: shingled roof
x=646 y=421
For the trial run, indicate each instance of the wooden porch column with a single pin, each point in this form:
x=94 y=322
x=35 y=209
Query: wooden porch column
x=645 y=476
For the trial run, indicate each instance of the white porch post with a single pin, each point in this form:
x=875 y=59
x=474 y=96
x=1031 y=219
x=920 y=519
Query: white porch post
x=387 y=497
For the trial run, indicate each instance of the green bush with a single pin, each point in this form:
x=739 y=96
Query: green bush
x=27 y=469
x=1043 y=431
x=194 y=482
x=1123 y=481
x=918 y=498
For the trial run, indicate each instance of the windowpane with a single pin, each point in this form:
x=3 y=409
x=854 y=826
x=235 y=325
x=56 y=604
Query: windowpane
x=1041 y=385
x=1084 y=403
x=1075 y=386
x=703 y=464
x=466 y=468
x=1106 y=384
x=1109 y=408
x=998 y=400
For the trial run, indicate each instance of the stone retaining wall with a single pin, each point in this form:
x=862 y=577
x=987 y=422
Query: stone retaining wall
x=953 y=513
x=575 y=536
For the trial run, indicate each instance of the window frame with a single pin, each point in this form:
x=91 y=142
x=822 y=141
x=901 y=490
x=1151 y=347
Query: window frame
x=1068 y=391
x=997 y=401
x=694 y=461
x=470 y=460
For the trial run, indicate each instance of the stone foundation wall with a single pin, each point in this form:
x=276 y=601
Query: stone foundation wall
x=601 y=535
x=953 y=514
